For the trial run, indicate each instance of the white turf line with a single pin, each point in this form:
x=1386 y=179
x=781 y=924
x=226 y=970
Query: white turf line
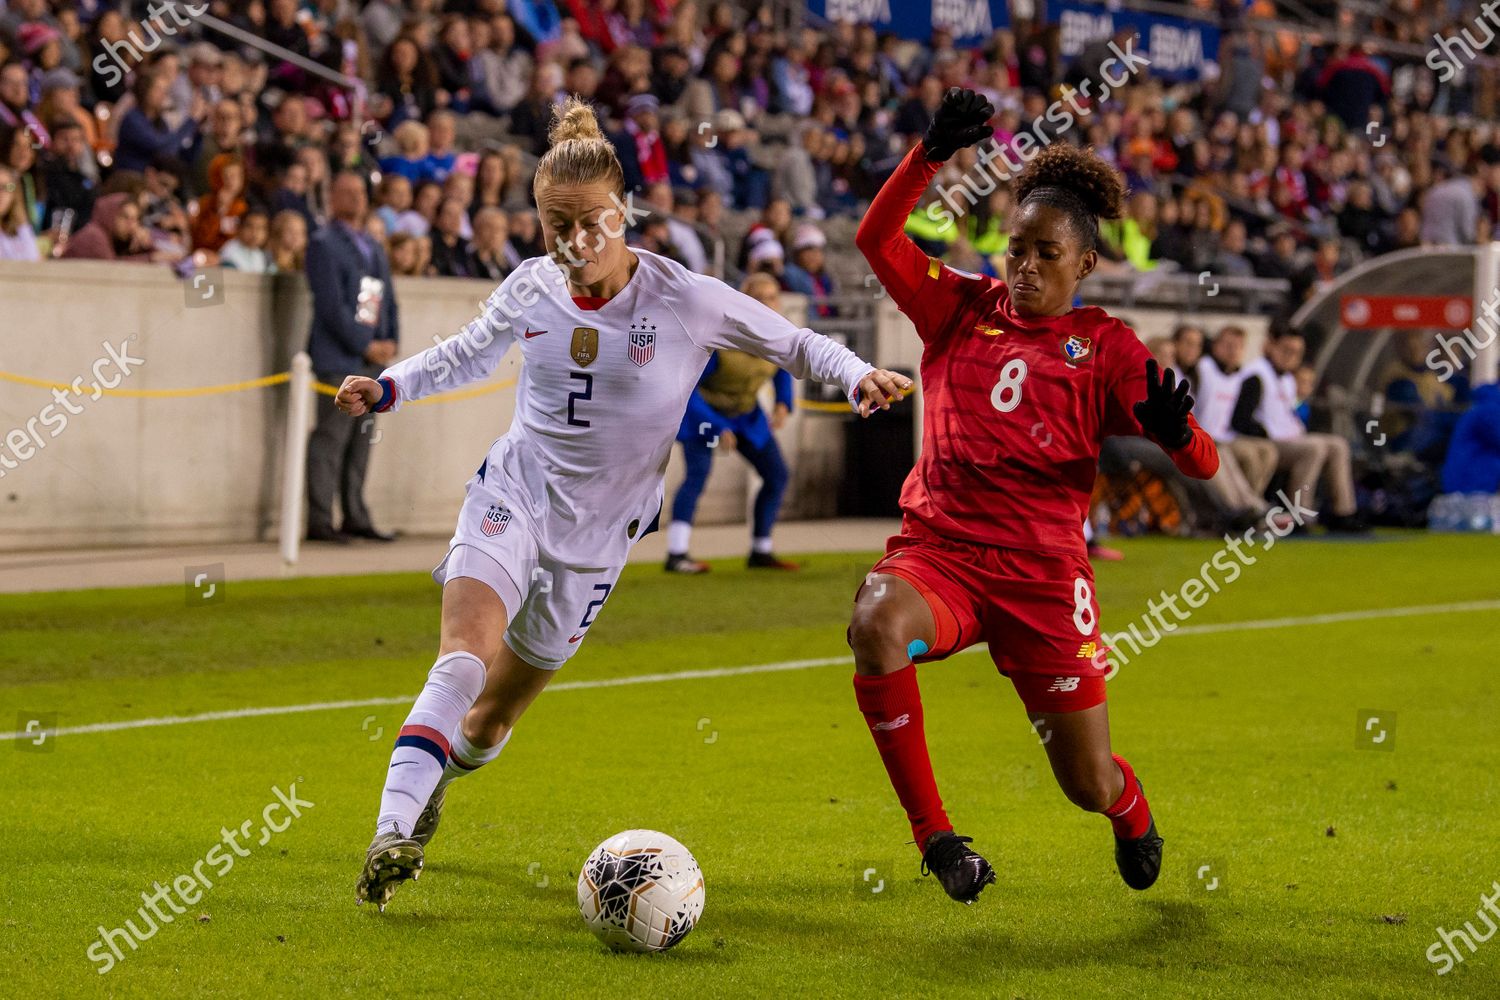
x=760 y=668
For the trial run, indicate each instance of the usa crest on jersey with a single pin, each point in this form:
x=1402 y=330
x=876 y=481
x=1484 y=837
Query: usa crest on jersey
x=495 y=519
x=1078 y=349
x=642 y=343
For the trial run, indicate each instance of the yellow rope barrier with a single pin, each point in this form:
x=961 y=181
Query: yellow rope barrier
x=202 y=390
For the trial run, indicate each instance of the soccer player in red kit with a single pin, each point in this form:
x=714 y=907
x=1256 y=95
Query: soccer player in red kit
x=1019 y=390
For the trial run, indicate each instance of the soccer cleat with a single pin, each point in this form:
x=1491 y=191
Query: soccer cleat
x=765 y=560
x=684 y=563
x=963 y=873
x=1139 y=860
x=432 y=814
x=391 y=860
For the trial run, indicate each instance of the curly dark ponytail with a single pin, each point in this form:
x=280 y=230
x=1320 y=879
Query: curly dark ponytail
x=1077 y=182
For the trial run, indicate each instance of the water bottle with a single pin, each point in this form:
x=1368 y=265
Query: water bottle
x=1477 y=512
x=1442 y=513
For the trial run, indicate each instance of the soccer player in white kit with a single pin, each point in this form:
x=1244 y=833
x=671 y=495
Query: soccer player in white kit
x=612 y=342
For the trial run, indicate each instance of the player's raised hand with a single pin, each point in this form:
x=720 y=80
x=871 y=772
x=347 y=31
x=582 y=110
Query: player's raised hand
x=1164 y=412
x=961 y=120
x=358 y=395
x=879 y=389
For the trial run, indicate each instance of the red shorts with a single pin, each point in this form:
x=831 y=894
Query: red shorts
x=1036 y=610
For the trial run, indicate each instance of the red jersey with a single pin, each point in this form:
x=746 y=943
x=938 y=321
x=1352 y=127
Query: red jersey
x=1014 y=408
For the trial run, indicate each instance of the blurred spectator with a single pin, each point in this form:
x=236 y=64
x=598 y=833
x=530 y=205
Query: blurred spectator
x=1216 y=394
x=354 y=328
x=807 y=273
x=393 y=200
x=681 y=235
x=144 y=132
x=1450 y=211
x=526 y=235
x=493 y=256
x=68 y=187
x=15 y=101
x=287 y=246
x=247 y=251
x=226 y=132
x=1351 y=84
x=643 y=157
x=408 y=78
x=405 y=259
x=17 y=241
x=502 y=69
x=1422 y=409
x=114 y=232
x=442 y=131
x=60 y=103
x=452 y=257
x=219 y=211
x=530 y=118
x=494 y=184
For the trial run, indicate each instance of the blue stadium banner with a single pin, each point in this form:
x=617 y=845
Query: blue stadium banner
x=1176 y=46
x=971 y=21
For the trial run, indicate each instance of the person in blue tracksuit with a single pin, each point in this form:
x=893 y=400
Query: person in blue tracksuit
x=725 y=413
x=1473 y=462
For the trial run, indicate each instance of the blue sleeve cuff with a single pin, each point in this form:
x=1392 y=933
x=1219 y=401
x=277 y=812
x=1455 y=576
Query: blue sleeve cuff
x=782 y=383
x=387 y=395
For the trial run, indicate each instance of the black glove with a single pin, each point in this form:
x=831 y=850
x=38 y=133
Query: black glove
x=959 y=122
x=1164 y=412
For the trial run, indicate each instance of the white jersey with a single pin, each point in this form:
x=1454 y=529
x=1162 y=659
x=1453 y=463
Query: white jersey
x=602 y=391
x=1277 y=410
x=1214 y=394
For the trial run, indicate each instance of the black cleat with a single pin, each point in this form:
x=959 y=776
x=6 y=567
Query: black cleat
x=1139 y=860
x=962 y=872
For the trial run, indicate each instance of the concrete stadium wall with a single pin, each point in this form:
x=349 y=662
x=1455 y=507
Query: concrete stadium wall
x=128 y=471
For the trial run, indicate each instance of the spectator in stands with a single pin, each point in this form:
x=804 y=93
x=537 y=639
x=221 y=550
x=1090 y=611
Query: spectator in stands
x=220 y=210
x=494 y=185
x=15 y=101
x=683 y=237
x=1325 y=266
x=424 y=206
x=493 y=256
x=1267 y=408
x=716 y=89
x=353 y=331
x=60 y=90
x=404 y=255
x=226 y=128
x=451 y=58
x=1363 y=221
x=526 y=235
x=1351 y=84
x=530 y=118
x=643 y=157
x=162 y=210
x=68 y=188
x=502 y=68
x=114 y=232
x=1232 y=259
x=712 y=235
x=144 y=132
x=1187 y=352
x=766 y=256
x=17 y=240
x=291 y=193
x=452 y=256
x=408 y=78
x=1130 y=237
x=807 y=273
x=247 y=250
x=442 y=133
x=796 y=177
x=1422 y=409
x=287 y=246
x=1451 y=210
x=410 y=161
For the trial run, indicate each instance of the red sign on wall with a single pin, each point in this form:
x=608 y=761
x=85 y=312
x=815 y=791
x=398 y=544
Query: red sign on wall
x=1406 y=312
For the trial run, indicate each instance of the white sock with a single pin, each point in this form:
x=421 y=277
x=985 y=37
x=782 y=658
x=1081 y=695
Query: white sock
x=679 y=533
x=762 y=545
x=423 y=747
x=467 y=758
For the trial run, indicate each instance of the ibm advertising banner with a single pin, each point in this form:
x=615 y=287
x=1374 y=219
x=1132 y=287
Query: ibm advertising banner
x=1177 y=47
x=971 y=21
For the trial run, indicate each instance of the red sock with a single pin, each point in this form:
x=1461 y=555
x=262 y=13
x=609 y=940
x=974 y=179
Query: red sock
x=892 y=707
x=1131 y=814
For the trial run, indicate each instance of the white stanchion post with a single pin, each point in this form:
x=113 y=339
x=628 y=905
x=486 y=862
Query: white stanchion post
x=294 y=472
x=1486 y=288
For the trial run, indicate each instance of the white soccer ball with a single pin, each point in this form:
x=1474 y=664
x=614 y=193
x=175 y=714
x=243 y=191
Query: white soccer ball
x=640 y=891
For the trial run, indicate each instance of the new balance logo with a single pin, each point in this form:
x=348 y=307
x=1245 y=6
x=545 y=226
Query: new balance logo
x=1064 y=684
x=896 y=723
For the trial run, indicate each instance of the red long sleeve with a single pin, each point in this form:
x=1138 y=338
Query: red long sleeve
x=897 y=261
x=1199 y=458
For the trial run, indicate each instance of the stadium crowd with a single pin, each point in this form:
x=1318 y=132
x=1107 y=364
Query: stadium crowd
x=1295 y=156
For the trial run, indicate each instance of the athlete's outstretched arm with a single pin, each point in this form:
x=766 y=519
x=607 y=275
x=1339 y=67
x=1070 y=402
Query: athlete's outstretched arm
x=1165 y=415
x=897 y=261
x=721 y=317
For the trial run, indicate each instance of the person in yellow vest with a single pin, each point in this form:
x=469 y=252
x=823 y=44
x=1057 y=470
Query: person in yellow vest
x=724 y=413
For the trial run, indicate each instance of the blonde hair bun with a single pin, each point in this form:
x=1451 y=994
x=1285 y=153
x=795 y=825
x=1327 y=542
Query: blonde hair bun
x=574 y=119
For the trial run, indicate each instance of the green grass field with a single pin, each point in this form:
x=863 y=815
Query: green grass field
x=1336 y=864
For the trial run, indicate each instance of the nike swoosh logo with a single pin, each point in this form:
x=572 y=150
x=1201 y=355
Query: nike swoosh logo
x=534 y=333
x=575 y=638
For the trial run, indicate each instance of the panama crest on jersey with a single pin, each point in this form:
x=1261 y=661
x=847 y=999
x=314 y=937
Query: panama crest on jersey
x=1077 y=349
x=494 y=520
x=642 y=342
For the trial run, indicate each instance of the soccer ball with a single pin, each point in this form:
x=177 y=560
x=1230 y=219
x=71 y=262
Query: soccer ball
x=640 y=891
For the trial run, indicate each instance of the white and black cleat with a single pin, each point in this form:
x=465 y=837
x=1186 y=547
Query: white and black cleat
x=391 y=860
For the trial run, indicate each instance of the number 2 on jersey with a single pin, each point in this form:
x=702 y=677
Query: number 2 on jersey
x=587 y=392
x=1006 y=395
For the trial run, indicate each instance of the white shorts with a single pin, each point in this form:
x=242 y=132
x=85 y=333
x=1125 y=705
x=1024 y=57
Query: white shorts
x=550 y=606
